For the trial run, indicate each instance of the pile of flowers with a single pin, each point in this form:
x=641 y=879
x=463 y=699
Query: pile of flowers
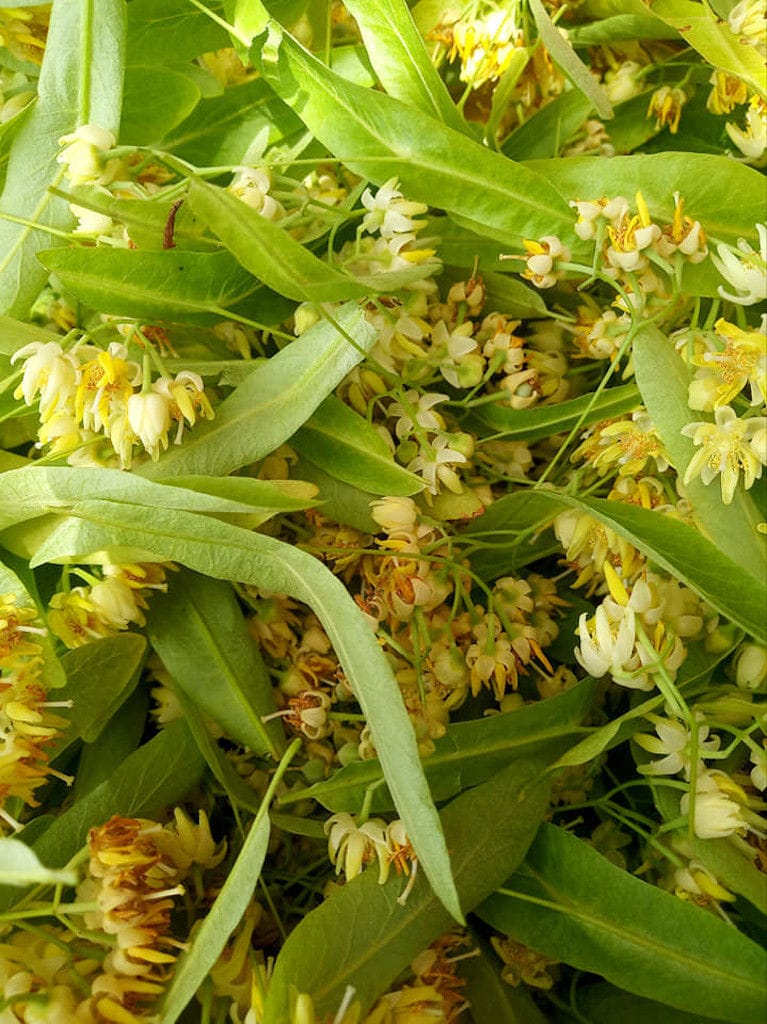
x=382 y=434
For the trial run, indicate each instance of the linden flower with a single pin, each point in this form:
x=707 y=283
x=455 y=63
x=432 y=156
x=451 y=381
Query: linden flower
x=607 y=642
x=752 y=141
x=352 y=846
x=149 y=419
x=540 y=260
x=666 y=106
x=728 y=93
x=720 y=807
x=744 y=268
x=433 y=465
x=49 y=371
x=630 y=236
x=590 y=211
x=728 y=446
x=84 y=155
x=743 y=362
x=251 y=185
x=389 y=212
x=672 y=740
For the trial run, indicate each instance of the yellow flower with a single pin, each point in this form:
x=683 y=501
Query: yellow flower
x=743 y=362
x=726 y=447
x=666 y=106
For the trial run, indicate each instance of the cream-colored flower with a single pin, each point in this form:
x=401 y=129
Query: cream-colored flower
x=251 y=185
x=727 y=447
x=672 y=741
x=744 y=268
x=607 y=643
x=720 y=807
x=750 y=663
x=433 y=464
x=752 y=140
x=149 y=419
x=50 y=372
x=351 y=847
x=84 y=155
x=389 y=213
x=541 y=258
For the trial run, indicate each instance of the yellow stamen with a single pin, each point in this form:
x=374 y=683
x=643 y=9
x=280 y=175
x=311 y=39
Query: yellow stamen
x=617 y=590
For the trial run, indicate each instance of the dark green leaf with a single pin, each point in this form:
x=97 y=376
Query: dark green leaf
x=213 y=658
x=149 y=113
x=346 y=446
x=156 y=775
x=468 y=754
x=361 y=936
x=163 y=30
x=572 y=905
x=532 y=424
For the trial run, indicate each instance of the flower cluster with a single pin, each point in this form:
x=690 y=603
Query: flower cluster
x=88 y=395
x=28 y=720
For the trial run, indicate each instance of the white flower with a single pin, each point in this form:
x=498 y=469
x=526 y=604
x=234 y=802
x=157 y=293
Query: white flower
x=750 y=664
x=433 y=464
x=389 y=213
x=673 y=741
x=728 y=446
x=717 y=814
x=251 y=185
x=607 y=644
x=51 y=372
x=115 y=603
x=149 y=419
x=745 y=269
x=351 y=847
x=395 y=515
x=417 y=408
x=84 y=155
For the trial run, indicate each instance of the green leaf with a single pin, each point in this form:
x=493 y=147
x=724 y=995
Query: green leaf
x=51 y=670
x=100 y=675
x=701 y=178
x=570 y=903
x=206 y=943
x=620 y=27
x=663 y=379
x=80 y=83
x=14 y=334
x=159 y=30
x=238 y=792
x=532 y=424
x=339 y=501
x=263 y=498
x=543 y=134
x=569 y=62
x=158 y=774
x=346 y=446
x=148 y=114
x=20 y=867
x=32 y=491
x=397 y=52
x=214 y=660
x=605 y=1004
x=268 y=252
x=714 y=40
x=274 y=401
x=384 y=139
x=222 y=129
x=228 y=552
x=119 y=738
x=361 y=936
x=190 y=287
x=468 y=754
